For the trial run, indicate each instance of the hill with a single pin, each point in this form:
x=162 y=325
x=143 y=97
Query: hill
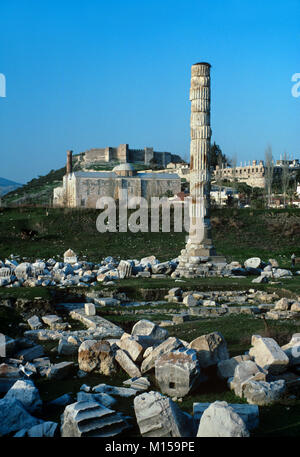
x=7 y=186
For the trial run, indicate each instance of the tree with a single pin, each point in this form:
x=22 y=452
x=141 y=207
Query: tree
x=216 y=156
x=233 y=167
x=285 y=177
x=269 y=170
x=218 y=178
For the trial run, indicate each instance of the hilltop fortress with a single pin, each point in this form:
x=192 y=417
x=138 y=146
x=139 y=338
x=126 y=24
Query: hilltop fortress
x=124 y=154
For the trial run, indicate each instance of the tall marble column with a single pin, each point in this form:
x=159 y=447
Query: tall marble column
x=199 y=248
x=200 y=242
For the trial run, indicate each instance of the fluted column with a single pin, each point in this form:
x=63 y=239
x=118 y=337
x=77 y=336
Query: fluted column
x=199 y=242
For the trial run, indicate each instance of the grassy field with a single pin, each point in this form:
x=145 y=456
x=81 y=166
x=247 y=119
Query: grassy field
x=237 y=234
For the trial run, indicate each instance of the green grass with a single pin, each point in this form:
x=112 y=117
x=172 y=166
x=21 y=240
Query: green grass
x=237 y=234
x=237 y=330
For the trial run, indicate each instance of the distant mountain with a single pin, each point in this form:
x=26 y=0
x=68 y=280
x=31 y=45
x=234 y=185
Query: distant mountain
x=8 y=186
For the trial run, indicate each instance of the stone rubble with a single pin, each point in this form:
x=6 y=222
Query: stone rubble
x=73 y=272
x=263 y=376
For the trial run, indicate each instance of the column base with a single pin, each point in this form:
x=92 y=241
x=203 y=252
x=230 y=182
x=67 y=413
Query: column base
x=200 y=261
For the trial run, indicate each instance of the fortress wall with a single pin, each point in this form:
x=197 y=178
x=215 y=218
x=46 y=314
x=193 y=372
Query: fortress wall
x=94 y=155
x=136 y=155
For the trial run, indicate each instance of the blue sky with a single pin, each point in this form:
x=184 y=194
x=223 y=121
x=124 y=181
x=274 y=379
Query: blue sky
x=84 y=74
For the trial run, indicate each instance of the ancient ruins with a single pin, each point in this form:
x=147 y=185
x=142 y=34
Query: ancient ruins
x=124 y=154
x=199 y=248
x=120 y=372
x=82 y=189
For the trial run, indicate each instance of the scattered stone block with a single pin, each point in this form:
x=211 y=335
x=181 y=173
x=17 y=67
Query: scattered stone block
x=104 y=399
x=137 y=383
x=124 y=269
x=143 y=274
x=51 y=319
x=96 y=356
x=175 y=292
x=178 y=372
x=292 y=381
x=90 y=309
x=292 y=350
x=127 y=364
x=70 y=257
x=32 y=353
x=268 y=355
x=60 y=370
x=295 y=307
x=105 y=328
x=14 y=417
x=152 y=331
x=9 y=374
x=226 y=367
x=44 y=430
x=132 y=347
x=23 y=270
x=244 y=372
x=253 y=262
x=7 y=345
x=66 y=348
x=148 y=351
x=220 y=420
x=158 y=416
x=180 y=318
x=264 y=393
x=260 y=279
x=211 y=349
x=90 y=419
x=63 y=400
x=106 y=301
x=166 y=347
x=189 y=300
x=249 y=413
x=34 y=323
x=42 y=364
x=114 y=390
x=9 y=371
x=282 y=305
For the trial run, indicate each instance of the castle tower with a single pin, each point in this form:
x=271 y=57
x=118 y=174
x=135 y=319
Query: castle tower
x=199 y=247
